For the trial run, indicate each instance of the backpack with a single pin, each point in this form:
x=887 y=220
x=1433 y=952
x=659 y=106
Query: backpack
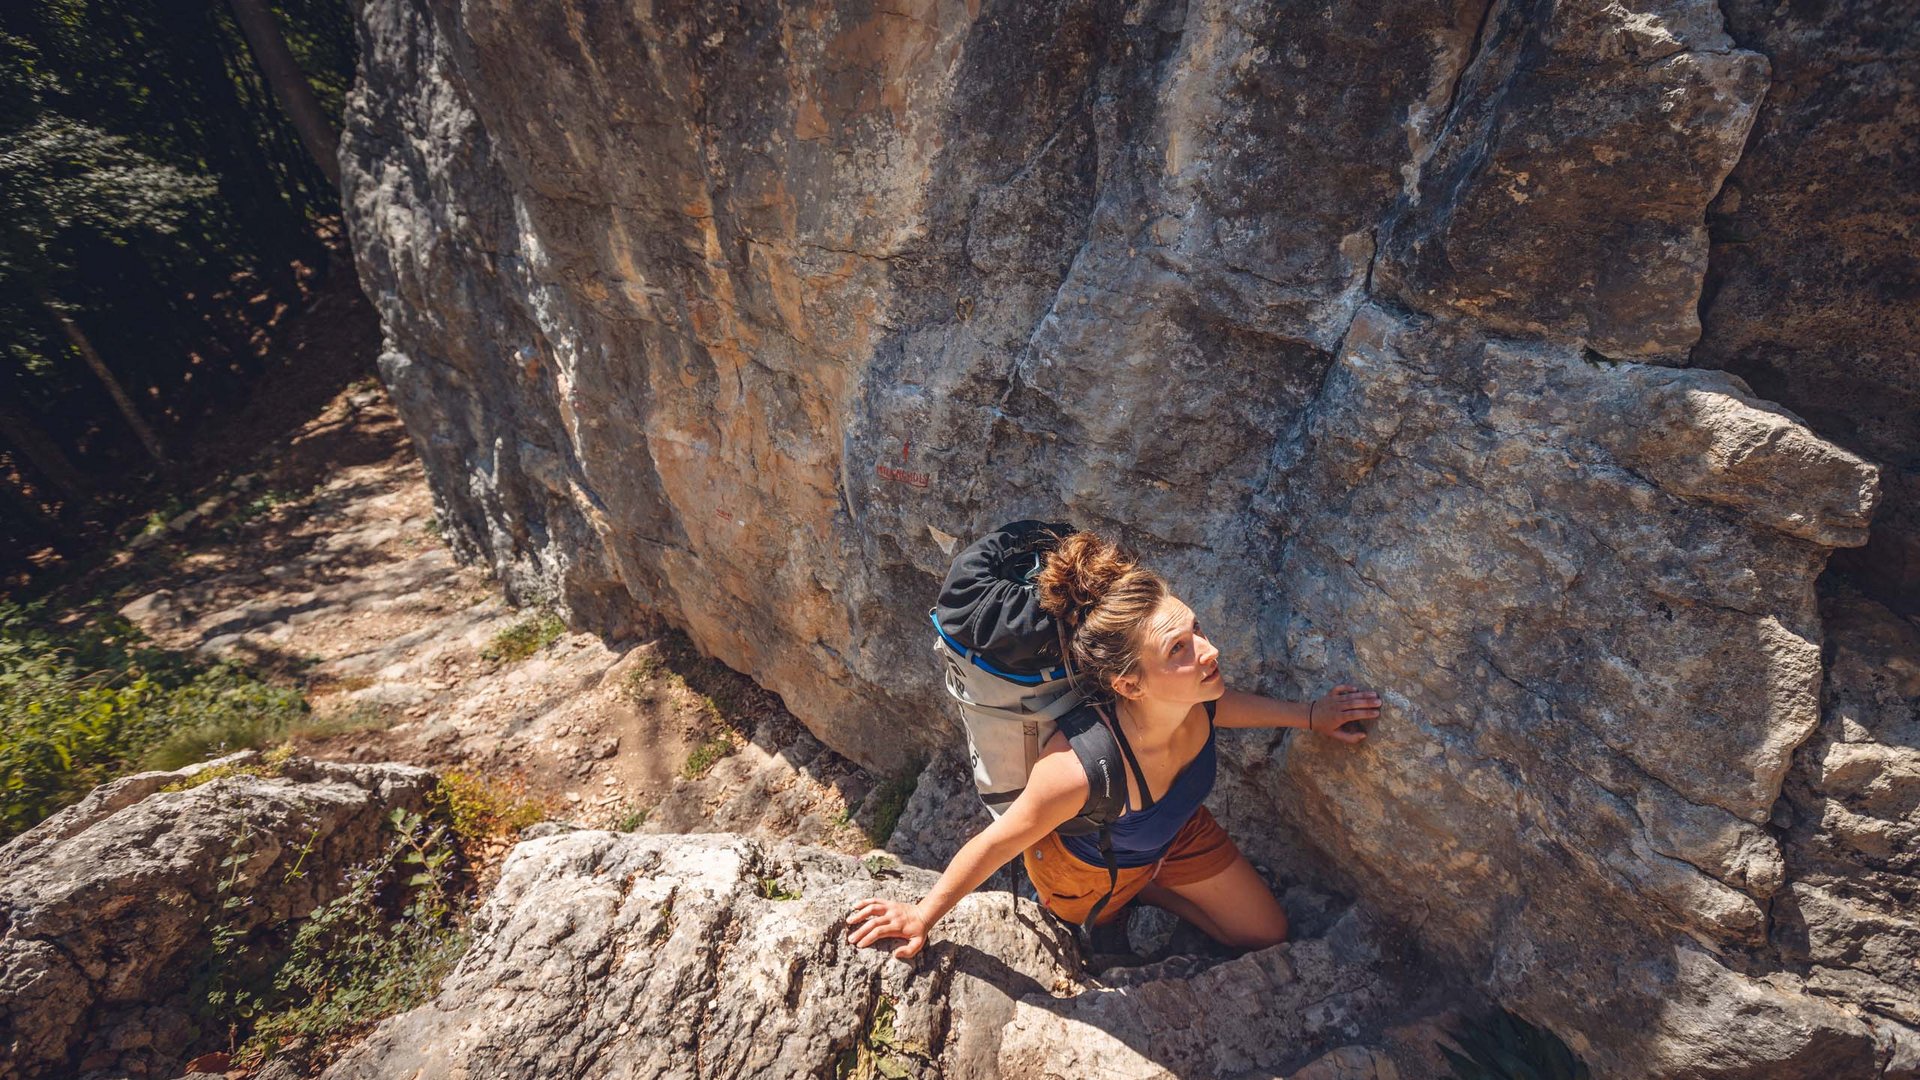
x=1005 y=667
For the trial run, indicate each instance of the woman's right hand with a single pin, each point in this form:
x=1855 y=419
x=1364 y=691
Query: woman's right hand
x=878 y=920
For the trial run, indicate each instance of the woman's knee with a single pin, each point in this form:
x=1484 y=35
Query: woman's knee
x=1267 y=933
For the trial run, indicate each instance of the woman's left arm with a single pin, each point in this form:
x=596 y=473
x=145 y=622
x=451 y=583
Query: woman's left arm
x=1328 y=716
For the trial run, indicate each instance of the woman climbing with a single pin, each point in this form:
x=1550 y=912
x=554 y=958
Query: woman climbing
x=1142 y=653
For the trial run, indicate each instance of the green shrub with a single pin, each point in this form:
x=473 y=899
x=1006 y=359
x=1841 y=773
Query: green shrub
x=480 y=807
x=79 y=707
x=524 y=638
x=1501 y=1046
x=380 y=947
x=218 y=713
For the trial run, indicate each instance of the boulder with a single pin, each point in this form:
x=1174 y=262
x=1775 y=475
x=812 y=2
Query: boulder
x=107 y=908
x=606 y=954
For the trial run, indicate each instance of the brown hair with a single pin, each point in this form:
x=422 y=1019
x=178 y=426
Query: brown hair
x=1102 y=597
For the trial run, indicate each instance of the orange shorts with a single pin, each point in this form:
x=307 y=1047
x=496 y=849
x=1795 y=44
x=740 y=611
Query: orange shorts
x=1070 y=886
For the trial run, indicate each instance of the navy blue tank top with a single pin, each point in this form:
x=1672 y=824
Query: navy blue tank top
x=1141 y=837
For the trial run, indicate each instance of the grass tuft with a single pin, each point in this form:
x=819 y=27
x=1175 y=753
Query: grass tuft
x=708 y=754
x=524 y=638
x=268 y=764
x=483 y=807
x=771 y=888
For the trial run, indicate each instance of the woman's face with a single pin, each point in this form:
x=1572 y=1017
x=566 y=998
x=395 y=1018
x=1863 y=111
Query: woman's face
x=1176 y=663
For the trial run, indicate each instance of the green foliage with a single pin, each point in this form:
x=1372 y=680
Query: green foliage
x=152 y=191
x=268 y=764
x=707 y=754
x=79 y=707
x=221 y=711
x=481 y=807
x=631 y=819
x=381 y=946
x=771 y=888
x=1501 y=1046
x=880 y=1053
x=524 y=638
x=880 y=865
x=59 y=175
x=887 y=802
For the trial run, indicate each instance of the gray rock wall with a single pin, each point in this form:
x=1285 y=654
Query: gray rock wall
x=1369 y=325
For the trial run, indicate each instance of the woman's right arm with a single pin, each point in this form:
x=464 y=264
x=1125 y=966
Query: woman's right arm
x=1056 y=791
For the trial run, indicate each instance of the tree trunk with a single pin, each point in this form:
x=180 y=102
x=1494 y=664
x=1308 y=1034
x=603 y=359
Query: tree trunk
x=290 y=85
x=85 y=347
x=52 y=463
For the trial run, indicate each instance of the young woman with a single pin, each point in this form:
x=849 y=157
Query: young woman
x=1132 y=637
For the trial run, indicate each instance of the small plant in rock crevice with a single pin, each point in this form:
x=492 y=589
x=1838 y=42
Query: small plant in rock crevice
x=1501 y=1046
x=524 y=638
x=888 y=801
x=380 y=946
x=880 y=1053
x=772 y=888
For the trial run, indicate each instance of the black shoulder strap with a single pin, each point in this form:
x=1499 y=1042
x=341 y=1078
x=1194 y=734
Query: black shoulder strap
x=1099 y=755
x=1139 y=775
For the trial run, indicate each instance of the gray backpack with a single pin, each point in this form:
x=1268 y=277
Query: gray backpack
x=1004 y=667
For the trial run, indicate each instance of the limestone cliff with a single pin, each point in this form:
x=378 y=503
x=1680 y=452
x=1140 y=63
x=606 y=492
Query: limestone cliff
x=1369 y=324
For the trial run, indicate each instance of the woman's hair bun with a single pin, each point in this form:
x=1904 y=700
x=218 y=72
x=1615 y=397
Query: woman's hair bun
x=1080 y=571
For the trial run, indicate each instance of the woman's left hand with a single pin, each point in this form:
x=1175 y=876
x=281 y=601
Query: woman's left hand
x=1342 y=706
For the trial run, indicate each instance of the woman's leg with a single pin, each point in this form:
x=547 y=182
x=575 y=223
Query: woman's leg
x=1158 y=895
x=1234 y=907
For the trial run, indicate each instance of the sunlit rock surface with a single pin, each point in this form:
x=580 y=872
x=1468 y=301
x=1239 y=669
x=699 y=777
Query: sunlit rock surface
x=1369 y=325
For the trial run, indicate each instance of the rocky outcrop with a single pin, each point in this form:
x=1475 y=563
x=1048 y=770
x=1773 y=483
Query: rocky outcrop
x=107 y=908
x=1812 y=273
x=602 y=954
x=1846 y=919
x=1367 y=325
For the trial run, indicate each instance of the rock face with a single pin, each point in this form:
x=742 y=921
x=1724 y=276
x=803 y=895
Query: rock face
x=1813 y=272
x=605 y=954
x=106 y=908
x=1367 y=325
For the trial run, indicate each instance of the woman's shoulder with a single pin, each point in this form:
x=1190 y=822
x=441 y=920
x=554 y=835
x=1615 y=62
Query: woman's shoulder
x=1059 y=770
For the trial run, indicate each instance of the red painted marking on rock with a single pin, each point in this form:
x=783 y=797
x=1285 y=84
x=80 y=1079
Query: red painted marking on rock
x=902 y=476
